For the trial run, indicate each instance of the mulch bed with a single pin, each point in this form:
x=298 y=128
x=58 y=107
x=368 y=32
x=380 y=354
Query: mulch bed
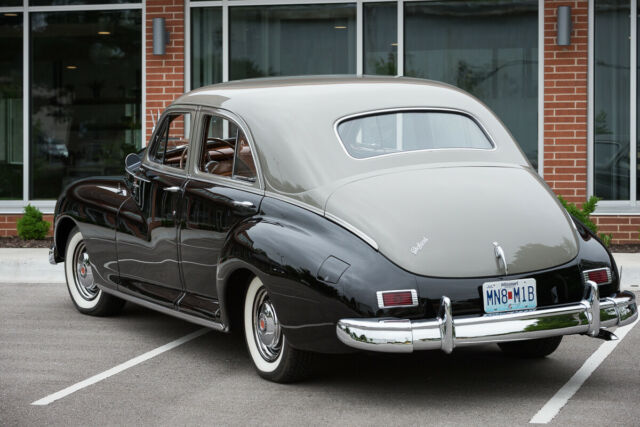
x=16 y=242
x=625 y=248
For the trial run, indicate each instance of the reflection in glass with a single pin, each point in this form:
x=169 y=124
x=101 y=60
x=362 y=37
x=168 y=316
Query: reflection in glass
x=85 y=96
x=491 y=52
x=292 y=40
x=380 y=38
x=11 y=106
x=390 y=133
x=206 y=46
x=611 y=99
x=76 y=2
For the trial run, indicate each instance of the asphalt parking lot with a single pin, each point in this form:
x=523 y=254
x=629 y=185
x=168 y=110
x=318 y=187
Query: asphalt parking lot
x=47 y=346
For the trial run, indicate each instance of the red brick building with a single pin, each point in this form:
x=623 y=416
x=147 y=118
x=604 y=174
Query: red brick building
x=81 y=83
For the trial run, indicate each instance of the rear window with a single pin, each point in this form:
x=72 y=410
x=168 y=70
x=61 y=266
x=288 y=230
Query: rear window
x=396 y=132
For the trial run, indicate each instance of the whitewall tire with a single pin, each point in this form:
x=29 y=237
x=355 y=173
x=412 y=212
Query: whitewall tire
x=83 y=289
x=272 y=356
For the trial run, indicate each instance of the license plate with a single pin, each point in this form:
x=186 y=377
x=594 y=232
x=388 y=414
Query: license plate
x=509 y=295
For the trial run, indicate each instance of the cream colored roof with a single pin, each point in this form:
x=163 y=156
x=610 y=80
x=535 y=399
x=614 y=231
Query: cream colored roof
x=292 y=124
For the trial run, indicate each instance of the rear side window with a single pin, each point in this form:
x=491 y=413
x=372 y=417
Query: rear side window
x=396 y=132
x=226 y=151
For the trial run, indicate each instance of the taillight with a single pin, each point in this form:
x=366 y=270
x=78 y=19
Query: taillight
x=601 y=276
x=402 y=298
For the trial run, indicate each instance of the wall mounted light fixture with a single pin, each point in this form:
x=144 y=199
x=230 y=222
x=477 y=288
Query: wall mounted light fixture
x=564 y=26
x=160 y=36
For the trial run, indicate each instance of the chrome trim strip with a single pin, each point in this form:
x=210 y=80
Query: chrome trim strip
x=294 y=202
x=352 y=229
x=171 y=312
x=414 y=298
x=585 y=275
x=447 y=332
x=484 y=130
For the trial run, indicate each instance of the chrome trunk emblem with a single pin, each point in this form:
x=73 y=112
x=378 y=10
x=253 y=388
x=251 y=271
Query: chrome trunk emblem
x=499 y=253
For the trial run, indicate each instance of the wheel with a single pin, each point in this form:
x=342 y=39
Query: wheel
x=84 y=292
x=531 y=349
x=272 y=356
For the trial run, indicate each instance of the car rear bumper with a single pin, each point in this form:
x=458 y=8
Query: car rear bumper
x=446 y=332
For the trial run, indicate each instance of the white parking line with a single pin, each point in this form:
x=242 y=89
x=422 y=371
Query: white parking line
x=121 y=367
x=557 y=402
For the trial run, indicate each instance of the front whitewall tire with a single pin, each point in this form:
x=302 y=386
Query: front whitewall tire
x=72 y=284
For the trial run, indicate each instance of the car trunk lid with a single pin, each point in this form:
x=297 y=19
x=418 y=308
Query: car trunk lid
x=443 y=221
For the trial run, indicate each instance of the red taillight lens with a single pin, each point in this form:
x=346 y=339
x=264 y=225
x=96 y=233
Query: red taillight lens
x=404 y=298
x=601 y=276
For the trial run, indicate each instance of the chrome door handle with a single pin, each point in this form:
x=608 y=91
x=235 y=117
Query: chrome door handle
x=245 y=204
x=173 y=189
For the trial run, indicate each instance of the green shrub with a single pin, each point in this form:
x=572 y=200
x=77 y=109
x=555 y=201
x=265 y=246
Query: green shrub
x=606 y=238
x=31 y=225
x=582 y=214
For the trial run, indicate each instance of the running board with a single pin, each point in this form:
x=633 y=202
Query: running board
x=218 y=326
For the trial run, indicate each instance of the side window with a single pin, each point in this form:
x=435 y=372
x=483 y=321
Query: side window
x=172 y=141
x=226 y=151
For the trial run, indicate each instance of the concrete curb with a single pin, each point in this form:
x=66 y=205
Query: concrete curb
x=32 y=266
x=29 y=266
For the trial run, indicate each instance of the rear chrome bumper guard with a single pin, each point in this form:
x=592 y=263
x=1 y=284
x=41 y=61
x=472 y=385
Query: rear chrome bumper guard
x=446 y=332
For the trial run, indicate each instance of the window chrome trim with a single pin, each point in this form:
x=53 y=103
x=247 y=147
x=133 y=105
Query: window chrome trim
x=195 y=172
x=170 y=170
x=484 y=130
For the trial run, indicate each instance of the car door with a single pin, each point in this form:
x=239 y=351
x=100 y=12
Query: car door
x=148 y=256
x=223 y=193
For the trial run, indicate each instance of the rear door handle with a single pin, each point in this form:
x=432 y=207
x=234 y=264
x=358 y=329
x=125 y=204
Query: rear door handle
x=173 y=189
x=245 y=204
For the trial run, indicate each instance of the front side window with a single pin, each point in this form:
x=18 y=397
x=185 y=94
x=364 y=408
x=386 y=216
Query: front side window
x=226 y=151
x=172 y=141
x=389 y=133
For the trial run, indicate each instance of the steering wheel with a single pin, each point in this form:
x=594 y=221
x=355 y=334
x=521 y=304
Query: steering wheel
x=183 y=156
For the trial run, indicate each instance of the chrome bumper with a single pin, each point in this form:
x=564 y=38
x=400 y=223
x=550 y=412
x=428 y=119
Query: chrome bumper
x=446 y=332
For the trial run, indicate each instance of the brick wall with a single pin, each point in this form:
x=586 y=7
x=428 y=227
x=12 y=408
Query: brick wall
x=625 y=229
x=8 y=224
x=165 y=73
x=565 y=103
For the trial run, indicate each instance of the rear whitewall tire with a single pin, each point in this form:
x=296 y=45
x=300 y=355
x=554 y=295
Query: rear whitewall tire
x=261 y=363
x=276 y=361
x=84 y=293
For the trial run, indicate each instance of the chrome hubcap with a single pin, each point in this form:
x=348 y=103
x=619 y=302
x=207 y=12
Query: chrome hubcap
x=266 y=328
x=83 y=274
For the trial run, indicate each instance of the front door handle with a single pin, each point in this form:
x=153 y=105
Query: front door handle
x=245 y=204
x=173 y=189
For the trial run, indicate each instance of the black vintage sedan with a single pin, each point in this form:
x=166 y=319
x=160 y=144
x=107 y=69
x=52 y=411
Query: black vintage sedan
x=327 y=215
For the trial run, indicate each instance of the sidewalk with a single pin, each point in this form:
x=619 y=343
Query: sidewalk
x=32 y=266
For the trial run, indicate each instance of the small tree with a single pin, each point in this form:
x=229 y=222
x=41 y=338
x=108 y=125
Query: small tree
x=31 y=225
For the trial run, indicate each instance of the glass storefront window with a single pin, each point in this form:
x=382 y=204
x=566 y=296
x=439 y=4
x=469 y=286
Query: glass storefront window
x=10 y=3
x=11 y=106
x=75 y=2
x=491 y=52
x=638 y=101
x=206 y=46
x=292 y=40
x=380 y=38
x=85 y=96
x=611 y=99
